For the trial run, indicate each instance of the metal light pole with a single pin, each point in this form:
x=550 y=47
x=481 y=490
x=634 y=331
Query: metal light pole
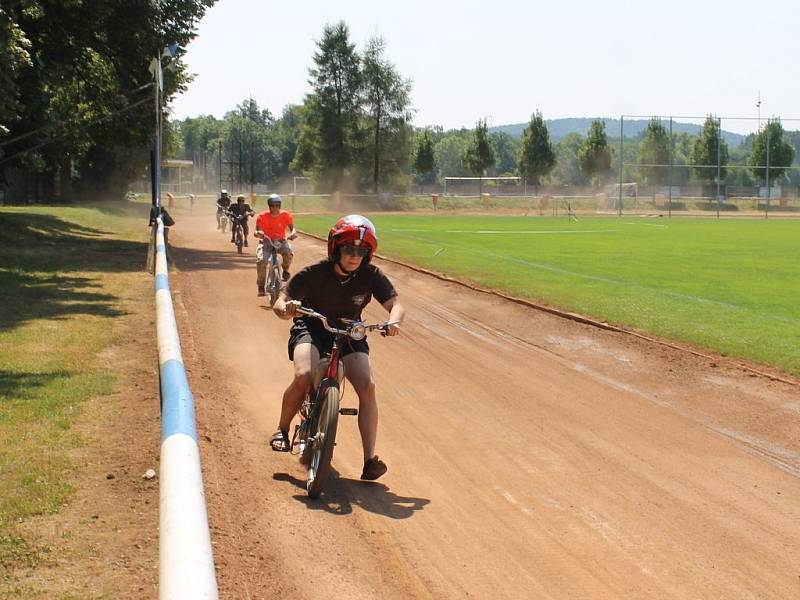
x=158 y=74
x=719 y=159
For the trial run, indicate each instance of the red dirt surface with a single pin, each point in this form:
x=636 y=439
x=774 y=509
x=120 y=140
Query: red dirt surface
x=529 y=456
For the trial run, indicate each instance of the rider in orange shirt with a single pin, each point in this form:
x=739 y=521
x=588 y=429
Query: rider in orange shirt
x=274 y=224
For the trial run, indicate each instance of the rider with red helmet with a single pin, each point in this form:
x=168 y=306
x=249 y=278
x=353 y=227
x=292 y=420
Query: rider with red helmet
x=339 y=287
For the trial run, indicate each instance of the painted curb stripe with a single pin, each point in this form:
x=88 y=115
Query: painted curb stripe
x=162 y=282
x=178 y=404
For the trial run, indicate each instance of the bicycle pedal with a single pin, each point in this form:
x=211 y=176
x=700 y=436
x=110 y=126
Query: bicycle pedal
x=348 y=411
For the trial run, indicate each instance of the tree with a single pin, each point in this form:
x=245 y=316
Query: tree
x=285 y=135
x=536 y=158
x=595 y=154
x=386 y=100
x=329 y=137
x=84 y=104
x=506 y=149
x=449 y=153
x=771 y=147
x=424 y=159
x=14 y=56
x=568 y=167
x=654 y=153
x=480 y=154
x=708 y=149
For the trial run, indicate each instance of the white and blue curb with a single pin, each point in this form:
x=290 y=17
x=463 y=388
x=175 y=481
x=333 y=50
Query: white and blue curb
x=186 y=561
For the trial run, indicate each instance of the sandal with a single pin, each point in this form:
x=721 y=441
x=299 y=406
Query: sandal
x=279 y=441
x=373 y=468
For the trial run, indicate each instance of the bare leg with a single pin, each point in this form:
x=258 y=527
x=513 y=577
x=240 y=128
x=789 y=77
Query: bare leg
x=306 y=358
x=359 y=372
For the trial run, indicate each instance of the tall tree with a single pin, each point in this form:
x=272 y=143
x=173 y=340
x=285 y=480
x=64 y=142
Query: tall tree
x=709 y=148
x=536 y=158
x=329 y=138
x=14 y=56
x=480 y=153
x=771 y=141
x=654 y=153
x=386 y=100
x=84 y=99
x=595 y=153
x=424 y=159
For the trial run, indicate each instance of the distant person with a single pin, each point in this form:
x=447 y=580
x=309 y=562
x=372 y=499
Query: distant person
x=273 y=224
x=223 y=204
x=240 y=209
x=166 y=219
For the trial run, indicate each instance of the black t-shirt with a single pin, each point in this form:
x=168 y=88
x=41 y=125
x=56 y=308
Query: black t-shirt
x=223 y=202
x=318 y=287
x=242 y=209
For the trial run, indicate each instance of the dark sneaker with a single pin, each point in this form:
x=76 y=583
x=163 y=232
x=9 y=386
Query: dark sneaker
x=262 y=291
x=373 y=469
x=286 y=275
x=245 y=243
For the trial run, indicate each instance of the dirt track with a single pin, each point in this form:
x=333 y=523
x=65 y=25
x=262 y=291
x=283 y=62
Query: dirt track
x=529 y=456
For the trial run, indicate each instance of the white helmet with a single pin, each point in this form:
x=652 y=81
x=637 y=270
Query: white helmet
x=274 y=200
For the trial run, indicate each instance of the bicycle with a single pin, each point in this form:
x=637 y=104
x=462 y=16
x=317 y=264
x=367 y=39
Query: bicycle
x=238 y=231
x=222 y=221
x=274 y=263
x=315 y=435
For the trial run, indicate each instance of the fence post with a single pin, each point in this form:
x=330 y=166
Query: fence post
x=621 y=161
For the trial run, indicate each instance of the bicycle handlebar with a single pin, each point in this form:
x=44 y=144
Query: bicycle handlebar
x=356 y=330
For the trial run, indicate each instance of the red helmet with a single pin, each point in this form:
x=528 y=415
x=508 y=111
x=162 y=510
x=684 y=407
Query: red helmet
x=355 y=230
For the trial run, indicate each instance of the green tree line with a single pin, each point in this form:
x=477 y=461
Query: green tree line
x=77 y=102
x=77 y=119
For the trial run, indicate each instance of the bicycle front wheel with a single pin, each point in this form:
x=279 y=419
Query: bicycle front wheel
x=274 y=285
x=324 y=439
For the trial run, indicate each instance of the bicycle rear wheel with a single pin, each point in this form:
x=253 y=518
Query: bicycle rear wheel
x=324 y=439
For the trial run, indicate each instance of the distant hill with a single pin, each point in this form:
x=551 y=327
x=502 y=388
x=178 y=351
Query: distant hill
x=558 y=128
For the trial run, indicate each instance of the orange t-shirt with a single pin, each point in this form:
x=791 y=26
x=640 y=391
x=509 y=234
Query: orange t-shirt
x=274 y=227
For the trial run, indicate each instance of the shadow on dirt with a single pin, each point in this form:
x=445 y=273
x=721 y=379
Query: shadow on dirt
x=38 y=253
x=342 y=494
x=189 y=259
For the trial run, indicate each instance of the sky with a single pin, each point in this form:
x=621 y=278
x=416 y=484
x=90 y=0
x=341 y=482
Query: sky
x=502 y=59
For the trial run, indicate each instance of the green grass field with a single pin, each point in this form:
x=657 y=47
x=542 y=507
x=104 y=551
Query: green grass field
x=69 y=278
x=729 y=285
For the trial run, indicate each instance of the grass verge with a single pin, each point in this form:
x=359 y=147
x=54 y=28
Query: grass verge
x=68 y=279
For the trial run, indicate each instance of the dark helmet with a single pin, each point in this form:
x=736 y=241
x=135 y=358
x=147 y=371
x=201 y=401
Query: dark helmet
x=240 y=198
x=274 y=200
x=354 y=230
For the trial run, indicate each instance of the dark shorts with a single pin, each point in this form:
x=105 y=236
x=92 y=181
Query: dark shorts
x=322 y=340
